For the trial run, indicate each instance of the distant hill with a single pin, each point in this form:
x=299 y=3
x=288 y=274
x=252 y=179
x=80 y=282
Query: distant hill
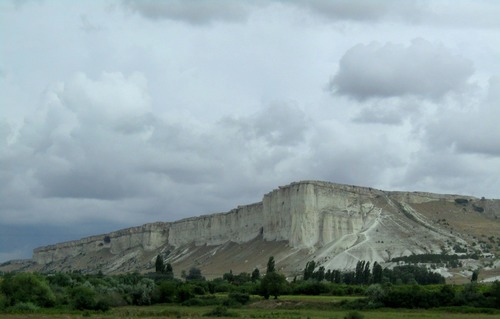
x=335 y=225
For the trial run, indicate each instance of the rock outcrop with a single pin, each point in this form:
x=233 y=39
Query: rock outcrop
x=336 y=225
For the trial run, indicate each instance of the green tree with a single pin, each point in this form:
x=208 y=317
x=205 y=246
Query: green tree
x=273 y=284
x=27 y=287
x=159 y=265
x=169 y=271
x=255 y=275
x=270 y=265
x=377 y=273
x=194 y=274
x=475 y=275
x=320 y=274
x=309 y=270
x=366 y=273
x=83 y=297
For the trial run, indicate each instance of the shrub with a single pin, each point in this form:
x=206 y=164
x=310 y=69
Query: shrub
x=102 y=304
x=165 y=291
x=83 y=298
x=241 y=298
x=202 y=301
x=3 y=302
x=24 y=307
x=354 y=315
x=27 y=287
x=184 y=293
x=221 y=311
x=311 y=287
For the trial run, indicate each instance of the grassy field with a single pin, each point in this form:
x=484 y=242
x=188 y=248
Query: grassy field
x=287 y=307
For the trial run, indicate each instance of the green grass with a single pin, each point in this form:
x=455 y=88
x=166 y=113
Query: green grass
x=286 y=307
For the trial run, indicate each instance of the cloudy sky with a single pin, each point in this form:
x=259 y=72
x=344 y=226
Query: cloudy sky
x=118 y=113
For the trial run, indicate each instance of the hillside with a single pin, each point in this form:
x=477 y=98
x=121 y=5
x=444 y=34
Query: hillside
x=334 y=224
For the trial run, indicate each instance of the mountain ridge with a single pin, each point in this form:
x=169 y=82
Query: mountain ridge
x=334 y=224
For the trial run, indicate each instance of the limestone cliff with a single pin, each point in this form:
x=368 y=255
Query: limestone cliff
x=337 y=225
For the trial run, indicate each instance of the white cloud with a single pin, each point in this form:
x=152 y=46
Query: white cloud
x=422 y=69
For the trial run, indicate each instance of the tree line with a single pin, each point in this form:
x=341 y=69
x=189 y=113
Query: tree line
x=365 y=274
x=403 y=286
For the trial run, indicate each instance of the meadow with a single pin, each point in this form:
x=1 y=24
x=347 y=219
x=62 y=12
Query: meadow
x=287 y=307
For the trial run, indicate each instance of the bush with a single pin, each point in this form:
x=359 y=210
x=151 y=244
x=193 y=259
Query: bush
x=202 y=301
x=165 y=292
x=310 y=287
x=221 y=311
x=354 y=315
x=83 y=298
x=184 y=293
x=24 y=307
x=102 y=304
x=27 y=287
x=240 y=298
x=3 y=302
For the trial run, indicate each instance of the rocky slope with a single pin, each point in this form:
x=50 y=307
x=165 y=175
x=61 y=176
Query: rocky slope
x=336 y=225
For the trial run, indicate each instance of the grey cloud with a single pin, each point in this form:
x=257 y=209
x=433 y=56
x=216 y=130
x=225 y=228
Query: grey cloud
x=194 y=12
x=480 y=14
x=474 y=130
x=94 y=144
x=444 y=171
x=278 y=124
x=422 y=69
x=471 y=13
x=364 y=10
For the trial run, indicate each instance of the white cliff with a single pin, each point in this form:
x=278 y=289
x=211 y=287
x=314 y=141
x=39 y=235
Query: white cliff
x=335 y=224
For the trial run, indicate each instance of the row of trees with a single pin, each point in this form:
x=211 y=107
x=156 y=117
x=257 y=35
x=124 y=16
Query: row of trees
x=365 y=274
x=99 y=292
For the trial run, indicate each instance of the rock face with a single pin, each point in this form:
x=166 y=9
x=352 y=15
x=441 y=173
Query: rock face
x=336 y=225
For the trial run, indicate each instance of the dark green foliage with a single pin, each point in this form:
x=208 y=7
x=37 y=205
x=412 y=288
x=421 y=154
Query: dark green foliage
x=475 y=274
x=229 y=277
x=309 y=270
x=377 y=273
x=221 y=311
x=273 y=284
x=27 y=287
x=354 y=315
x=169 y=271
x=202 y=301
x=255 y=275
x=310 y=287
x=434 y=258
x=24 y=307
x=412 y=274
x=83 y=297
x=320 y=274
x=270 y=265
x=478 y=209
x=159 y=266
x=60 y=279
x=194 y=274
x=240 y=298
x=165 y=291
x=461 y=201
x=100 y=292
x=184 y=292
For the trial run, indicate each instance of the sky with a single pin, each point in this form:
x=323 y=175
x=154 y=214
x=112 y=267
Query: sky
x=118 y=113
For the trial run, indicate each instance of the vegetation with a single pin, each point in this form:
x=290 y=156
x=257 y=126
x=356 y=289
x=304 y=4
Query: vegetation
x=366 y=288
